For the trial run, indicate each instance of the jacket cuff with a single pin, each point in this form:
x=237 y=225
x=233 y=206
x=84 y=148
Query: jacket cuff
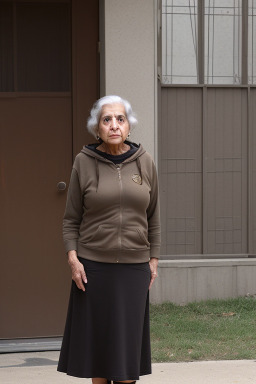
x=155 y=252
x=70 y=245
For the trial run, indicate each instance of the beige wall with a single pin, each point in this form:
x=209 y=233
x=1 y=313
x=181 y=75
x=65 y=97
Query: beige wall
x=185 y=281
x=130 y=62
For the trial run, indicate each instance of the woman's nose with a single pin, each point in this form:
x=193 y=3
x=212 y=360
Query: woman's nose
x=114 y=124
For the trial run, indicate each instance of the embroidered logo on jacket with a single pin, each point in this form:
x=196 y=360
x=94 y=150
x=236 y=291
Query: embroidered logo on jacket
x=136 y=178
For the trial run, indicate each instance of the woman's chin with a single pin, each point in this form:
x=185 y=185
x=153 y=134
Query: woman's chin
x=115 y=141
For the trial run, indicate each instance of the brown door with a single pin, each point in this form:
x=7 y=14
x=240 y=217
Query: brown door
x=40 y=123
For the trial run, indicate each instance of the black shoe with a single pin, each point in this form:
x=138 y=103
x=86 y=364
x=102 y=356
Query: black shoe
x=118 y=382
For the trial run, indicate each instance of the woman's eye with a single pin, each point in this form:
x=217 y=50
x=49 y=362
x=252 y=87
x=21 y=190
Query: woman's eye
x=121 y=119
x=106 y=120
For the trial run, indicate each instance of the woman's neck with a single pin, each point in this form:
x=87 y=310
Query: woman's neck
x=113 y=149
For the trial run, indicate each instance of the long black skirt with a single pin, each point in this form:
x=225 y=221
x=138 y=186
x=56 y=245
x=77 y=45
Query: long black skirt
x=107 y=327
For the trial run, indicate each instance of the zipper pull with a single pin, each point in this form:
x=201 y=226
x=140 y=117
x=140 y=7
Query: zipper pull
x=118 y=170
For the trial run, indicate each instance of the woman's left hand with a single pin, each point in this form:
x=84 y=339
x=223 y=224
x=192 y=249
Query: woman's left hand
x=153 y=263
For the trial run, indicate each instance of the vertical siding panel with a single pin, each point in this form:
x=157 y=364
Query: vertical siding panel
x=163 y=181
x=164 y=123
x=226 y=171
x=253 y=170
x=172 y=123
x=209 y=169
x=182 y=156
x=244 y=168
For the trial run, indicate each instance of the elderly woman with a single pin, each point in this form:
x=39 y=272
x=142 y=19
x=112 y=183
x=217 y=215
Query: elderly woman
x=111 y=234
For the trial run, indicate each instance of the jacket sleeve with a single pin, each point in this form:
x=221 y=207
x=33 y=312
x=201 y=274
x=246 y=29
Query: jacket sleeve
x=73 y=213
x=153 y=215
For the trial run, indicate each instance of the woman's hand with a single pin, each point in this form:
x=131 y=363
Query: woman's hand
x=153 y=263
x=77 y=269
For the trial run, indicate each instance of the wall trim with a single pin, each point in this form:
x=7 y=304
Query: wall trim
x=206 y=263
x=30 y=345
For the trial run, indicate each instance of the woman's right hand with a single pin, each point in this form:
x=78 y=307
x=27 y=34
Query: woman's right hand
x=77 y=269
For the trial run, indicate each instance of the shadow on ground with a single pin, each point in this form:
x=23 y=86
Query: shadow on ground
x=33 y=362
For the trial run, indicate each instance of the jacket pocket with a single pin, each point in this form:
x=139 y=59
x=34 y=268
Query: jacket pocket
x=105 y=237
x=134 y=238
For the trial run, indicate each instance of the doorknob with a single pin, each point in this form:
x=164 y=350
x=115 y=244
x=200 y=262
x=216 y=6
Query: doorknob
x=61 y=186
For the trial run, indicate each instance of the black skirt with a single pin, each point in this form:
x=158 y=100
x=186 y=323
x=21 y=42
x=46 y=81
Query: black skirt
x=107 y=327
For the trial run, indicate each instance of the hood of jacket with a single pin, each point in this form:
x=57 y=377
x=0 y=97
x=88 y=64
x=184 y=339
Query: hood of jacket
x=134 y=157
x=90 y=152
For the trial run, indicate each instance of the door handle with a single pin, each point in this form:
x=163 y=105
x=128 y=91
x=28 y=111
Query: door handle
x=61 y=186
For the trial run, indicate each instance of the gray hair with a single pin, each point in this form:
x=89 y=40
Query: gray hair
x=93 y=120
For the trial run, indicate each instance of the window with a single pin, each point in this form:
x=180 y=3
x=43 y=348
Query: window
x=202 y=42
x=6 y=48
x=35 y=46
x=223 y=28
x=179 y=42
x=251 y=42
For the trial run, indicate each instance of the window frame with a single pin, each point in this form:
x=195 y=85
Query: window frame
x=201 y=50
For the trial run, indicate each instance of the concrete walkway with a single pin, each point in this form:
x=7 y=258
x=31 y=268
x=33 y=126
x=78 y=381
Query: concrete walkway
x=40 y=368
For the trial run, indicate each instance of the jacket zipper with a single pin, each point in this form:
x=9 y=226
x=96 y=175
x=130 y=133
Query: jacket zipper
x=118 y=167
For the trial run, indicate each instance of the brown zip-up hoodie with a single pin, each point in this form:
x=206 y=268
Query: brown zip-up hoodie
x=112 y=211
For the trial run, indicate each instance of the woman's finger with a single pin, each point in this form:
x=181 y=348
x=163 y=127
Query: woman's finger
x=79 y=275
x=151 y=282
x=84 y=277
x=153 y=276
x=79 y=282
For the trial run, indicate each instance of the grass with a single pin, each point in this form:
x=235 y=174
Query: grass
x=209 y=330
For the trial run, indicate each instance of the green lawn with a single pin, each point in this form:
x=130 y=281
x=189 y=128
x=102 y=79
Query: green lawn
x=209 y=330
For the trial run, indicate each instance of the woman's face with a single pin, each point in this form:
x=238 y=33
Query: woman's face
x=113 y=125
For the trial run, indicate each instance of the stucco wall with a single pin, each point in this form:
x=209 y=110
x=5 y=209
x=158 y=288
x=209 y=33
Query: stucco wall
x=184 y=281
x=130 y=62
